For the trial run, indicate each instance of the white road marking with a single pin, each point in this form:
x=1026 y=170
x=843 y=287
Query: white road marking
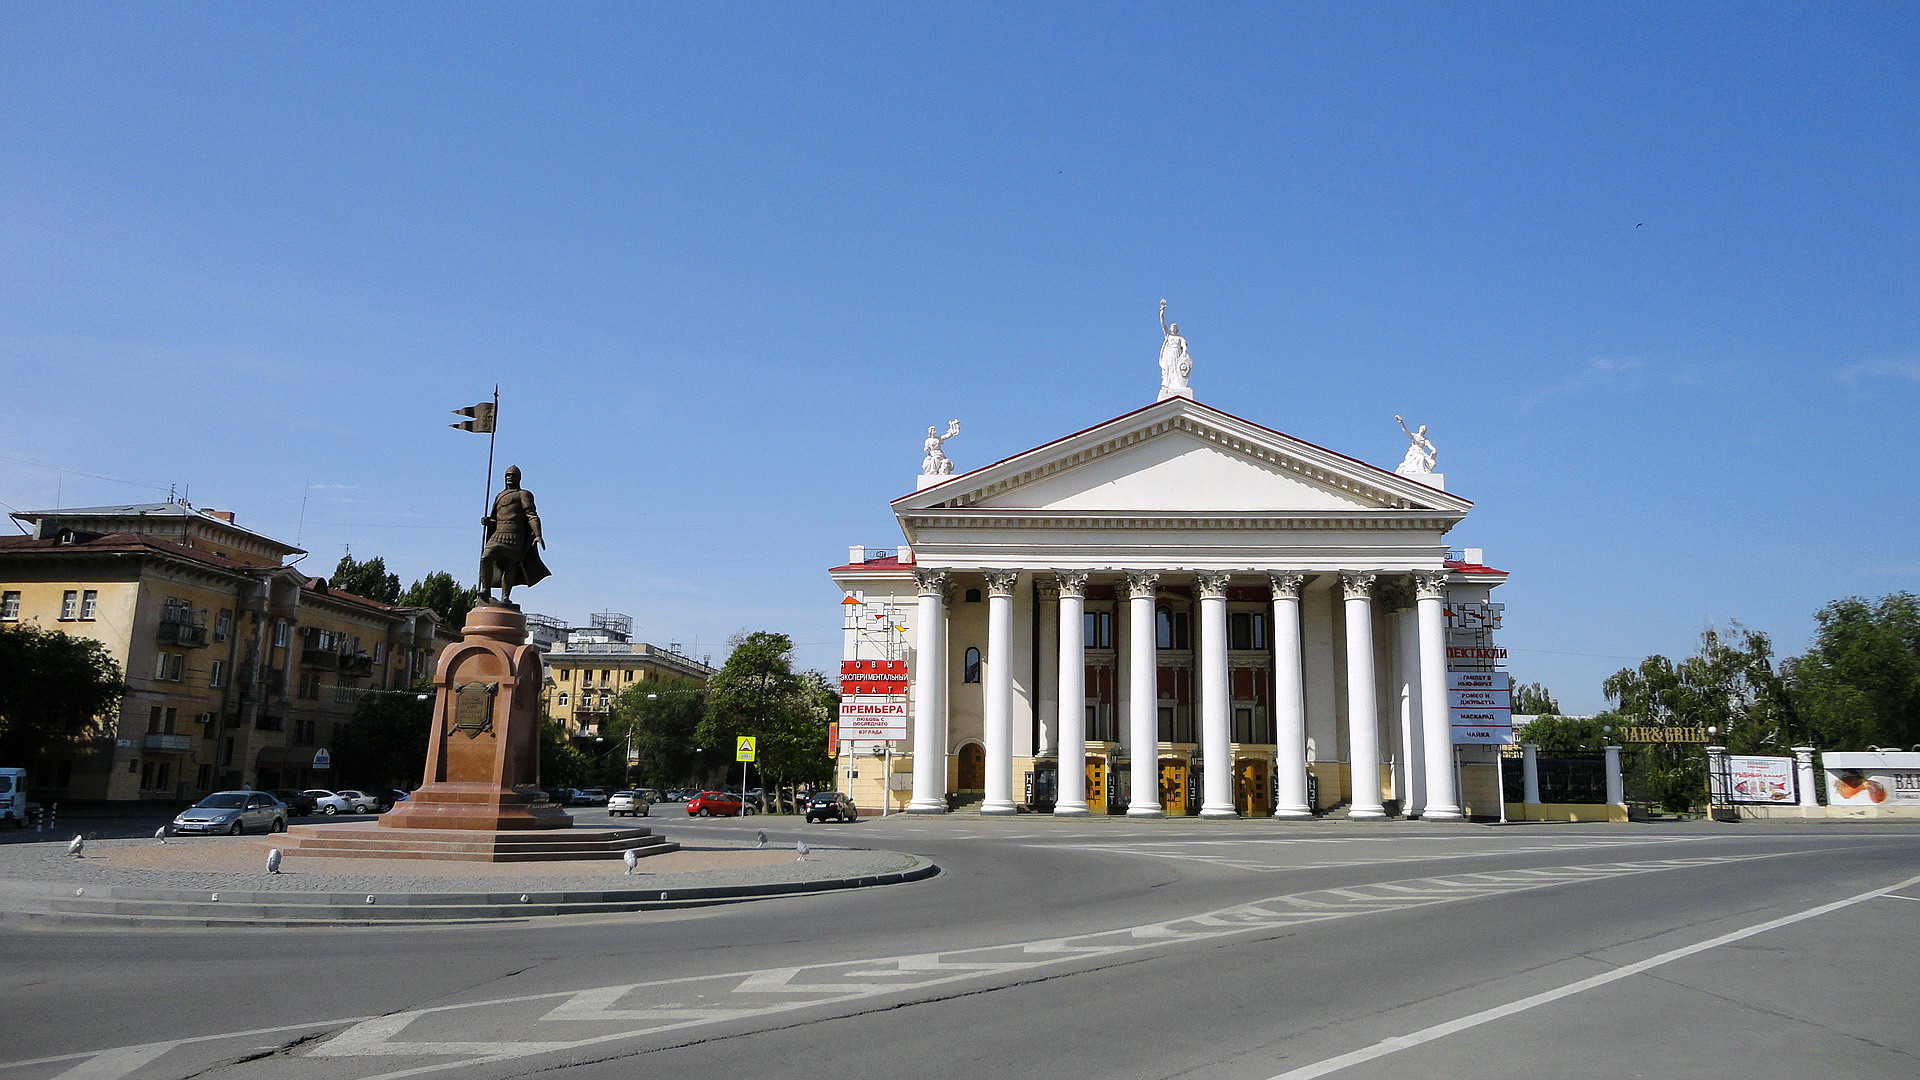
x=515 y=1031
x=1440 y=1031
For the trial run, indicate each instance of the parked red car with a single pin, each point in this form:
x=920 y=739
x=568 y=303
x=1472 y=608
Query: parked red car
x=715 y=804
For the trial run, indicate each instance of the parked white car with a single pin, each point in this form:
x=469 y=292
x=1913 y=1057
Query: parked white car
x=328 y=803
x=630 y=803
x=362 y=802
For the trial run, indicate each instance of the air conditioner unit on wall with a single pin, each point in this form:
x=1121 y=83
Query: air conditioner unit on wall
x=205 y=718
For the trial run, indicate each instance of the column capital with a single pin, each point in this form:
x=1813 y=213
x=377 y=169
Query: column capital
x=1142 y=584
x=1001 y=582
x=1212 y=584
x=1430 y=584
x=1047 y=588
x=930 y=581
x=1071 y=582
x=1394 y=594
x=1287 y=584
x=1358 y=584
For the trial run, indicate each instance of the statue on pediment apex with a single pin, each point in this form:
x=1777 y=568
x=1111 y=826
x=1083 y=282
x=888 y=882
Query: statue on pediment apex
x=1421 y=455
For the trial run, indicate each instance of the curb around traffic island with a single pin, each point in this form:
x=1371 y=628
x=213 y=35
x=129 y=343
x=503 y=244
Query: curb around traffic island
x=29 y=903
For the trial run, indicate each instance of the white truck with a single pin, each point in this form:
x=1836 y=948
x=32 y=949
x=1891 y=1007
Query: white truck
x=13 y=797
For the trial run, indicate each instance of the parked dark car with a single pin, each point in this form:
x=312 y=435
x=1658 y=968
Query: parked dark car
x=824 y=804
x=299 y=803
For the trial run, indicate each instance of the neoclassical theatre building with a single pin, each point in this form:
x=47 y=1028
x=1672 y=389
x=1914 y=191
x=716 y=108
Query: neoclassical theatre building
x=1174 y=612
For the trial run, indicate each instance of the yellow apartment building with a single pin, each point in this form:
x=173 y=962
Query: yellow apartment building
x=240 y=668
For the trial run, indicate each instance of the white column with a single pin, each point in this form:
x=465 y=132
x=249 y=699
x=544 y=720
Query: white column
x=1289 y=700
x=997 y=690
x=1803 y=771
x=1436 y=719
x=930 y=695
x=1072 y=799
x=1046 y=690
x=1363 y=706
x=1530 y=775
x=1413 y=748
x=1143 y=695
x=1616 y=791
x=1216 y=736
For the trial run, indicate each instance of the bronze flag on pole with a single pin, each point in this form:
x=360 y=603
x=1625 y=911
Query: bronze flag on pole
x=482 y=421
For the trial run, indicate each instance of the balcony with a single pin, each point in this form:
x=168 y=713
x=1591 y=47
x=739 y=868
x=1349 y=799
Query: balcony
x=320 y=658
x=269 y=721
x=168 y=744
x=593 y=707
x=356 y=664
x=186 y=635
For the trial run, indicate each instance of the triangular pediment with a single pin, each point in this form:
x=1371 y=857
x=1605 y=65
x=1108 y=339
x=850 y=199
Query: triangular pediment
x=1181 y=457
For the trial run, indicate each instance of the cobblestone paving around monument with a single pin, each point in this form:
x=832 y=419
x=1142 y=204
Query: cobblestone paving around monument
x=239 y=862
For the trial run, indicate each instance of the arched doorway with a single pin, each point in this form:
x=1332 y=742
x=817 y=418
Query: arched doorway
x=973 y=768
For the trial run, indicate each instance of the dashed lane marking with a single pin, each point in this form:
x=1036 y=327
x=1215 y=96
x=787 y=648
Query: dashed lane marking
x=576 y=1019
x=1440 y=1031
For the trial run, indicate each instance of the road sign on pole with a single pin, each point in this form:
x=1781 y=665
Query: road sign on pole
x=744 y=749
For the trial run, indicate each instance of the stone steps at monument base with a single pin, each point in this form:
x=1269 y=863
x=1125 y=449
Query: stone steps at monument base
x=450 y=845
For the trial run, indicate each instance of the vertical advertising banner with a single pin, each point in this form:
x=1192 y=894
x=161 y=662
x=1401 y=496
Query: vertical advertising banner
x=1481 y=705
x=873 y=700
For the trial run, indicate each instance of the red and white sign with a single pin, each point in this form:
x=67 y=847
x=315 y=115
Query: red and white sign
x=1481 y=705
x=864 y=677
x=867 y=718
x=1760 y=779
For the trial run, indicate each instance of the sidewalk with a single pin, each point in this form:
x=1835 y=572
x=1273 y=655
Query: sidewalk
x=220 y=880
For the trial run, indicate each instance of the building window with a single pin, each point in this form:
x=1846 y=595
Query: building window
x=629 y=675
x=1247 y=630
x=89 y=603
x=1099 y=629
x=153 y=720
x=177 y=670
x=160 y=662
x=218 y=676
x=379 y=652
x=973 y=596
x=223 y=625
x=566 y=674
x=205 y=778
x=606 y=676
x=69 y=604
x=10 y=605
x=970 y=670
x=563 y=699
x=280 y=635
x=1171 y=629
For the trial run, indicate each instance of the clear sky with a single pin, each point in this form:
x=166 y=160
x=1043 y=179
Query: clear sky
x=1648 y=271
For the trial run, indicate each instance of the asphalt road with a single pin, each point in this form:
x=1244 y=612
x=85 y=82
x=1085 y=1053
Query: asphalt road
x=1100 y=948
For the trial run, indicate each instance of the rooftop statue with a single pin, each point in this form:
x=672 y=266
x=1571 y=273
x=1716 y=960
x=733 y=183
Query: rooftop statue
x=1175 y=364
x=936 y=463
x=1420 y=456
x=509 y=556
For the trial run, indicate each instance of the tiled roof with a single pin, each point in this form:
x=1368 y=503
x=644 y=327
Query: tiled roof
x=1472 y=568
x=124 y=543
x=891 y=562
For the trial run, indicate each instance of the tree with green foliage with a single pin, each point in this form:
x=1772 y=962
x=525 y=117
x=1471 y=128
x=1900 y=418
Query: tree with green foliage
x=664 y=717
x=448 y=598
x=57 y=691
x=1556 y=734
x=1534 y=699
x=369 y=579
x=386 y=743
x=561 y=763
x=758 y=693
x=1858 y=685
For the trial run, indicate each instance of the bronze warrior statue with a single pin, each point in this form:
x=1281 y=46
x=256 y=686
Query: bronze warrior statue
x=510 y=556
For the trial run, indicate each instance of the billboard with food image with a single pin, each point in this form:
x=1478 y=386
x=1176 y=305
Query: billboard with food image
x=1760 y=779
x=1883 y=778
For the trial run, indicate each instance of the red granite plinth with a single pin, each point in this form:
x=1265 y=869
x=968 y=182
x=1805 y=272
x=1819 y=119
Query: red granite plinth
x=469 y=845
x=483 y=760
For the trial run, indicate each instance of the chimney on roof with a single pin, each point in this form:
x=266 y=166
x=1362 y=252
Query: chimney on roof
x=219 y=515
x=856 y=553
x=1475 y=556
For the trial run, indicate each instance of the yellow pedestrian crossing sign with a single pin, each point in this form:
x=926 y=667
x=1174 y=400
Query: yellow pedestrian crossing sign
x=744 y=751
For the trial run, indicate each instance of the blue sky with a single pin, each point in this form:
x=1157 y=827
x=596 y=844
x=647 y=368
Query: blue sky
x=1648 y=271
